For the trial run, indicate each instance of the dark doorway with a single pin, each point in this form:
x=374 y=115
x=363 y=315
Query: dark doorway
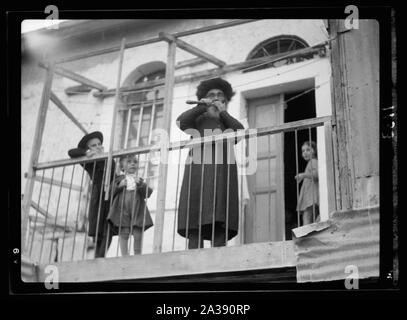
x=300 y=108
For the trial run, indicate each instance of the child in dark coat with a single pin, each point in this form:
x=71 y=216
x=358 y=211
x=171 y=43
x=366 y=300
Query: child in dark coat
x=91 y=145
x=129 y=214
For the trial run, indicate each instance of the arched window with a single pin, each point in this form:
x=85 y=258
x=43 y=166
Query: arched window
x=156 y=75
x=148 y=72
x=142 y=108
x=277 y=46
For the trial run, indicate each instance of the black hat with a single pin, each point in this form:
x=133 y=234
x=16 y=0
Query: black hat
x=217 y=83
x=83 y=143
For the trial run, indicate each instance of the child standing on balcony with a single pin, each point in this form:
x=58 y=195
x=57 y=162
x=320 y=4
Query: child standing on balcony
x=129 y=213
x=308 y=200
x=90 y=146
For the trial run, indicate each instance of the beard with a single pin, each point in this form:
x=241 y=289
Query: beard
x=213 y=112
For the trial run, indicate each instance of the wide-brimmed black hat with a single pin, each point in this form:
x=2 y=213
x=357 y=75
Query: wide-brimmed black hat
x=217 y=83
x=96 y=134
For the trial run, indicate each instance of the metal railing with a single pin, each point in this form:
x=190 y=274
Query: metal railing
x=64 y=202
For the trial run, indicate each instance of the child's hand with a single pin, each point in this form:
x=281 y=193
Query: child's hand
x=123 y=183
x=90 y=153
x=299 y=177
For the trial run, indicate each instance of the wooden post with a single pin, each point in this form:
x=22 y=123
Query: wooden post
x=340 y=98
x=115 y=109
x=191 y=49
x=330 y=175
x=35 y=152
x=162 y=180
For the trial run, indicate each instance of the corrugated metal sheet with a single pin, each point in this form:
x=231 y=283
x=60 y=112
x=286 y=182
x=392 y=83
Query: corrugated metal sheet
x=349 y=238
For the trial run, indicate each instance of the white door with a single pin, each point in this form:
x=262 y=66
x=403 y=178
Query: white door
x=265 y=219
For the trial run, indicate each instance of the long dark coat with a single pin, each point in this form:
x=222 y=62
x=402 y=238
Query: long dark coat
x=215 y=205
x=95 y=171
x=137 y=207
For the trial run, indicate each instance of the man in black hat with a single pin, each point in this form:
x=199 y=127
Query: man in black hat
x=214 y=217
x=91 y=145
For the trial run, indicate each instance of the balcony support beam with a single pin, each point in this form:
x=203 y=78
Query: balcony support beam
x=191 y=49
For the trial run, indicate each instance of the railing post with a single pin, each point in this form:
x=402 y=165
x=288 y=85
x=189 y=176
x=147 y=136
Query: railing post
x=35 y=152
x=330 y=175
x=162 y=180
x=112 y=132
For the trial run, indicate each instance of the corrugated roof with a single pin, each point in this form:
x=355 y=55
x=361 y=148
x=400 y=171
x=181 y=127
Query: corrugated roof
x=350 y=238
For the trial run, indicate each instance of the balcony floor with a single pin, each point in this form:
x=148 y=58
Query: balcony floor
x=249 y=262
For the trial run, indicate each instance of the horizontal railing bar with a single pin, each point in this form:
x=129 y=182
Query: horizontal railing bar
x=265 y=156
x=144 y=104
x=294 y=125
x=264 y=190
x=102 y=156
x=286 y=127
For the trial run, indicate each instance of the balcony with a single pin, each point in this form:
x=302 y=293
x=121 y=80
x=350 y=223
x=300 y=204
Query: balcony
x=58 y=224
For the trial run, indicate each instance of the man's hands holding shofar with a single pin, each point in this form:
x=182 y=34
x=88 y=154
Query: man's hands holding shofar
x=221 y=106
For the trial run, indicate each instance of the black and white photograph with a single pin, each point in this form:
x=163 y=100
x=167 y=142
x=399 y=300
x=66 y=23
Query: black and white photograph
x=207 y=151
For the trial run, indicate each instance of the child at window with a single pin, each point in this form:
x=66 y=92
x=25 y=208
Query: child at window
x=129 y=213
x=308 y=200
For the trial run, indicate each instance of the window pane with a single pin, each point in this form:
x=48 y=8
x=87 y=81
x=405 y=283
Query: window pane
x=145 y=126
x=134 y=122
x=159 y=117
x=277 y=45
x=272 y=48
x=123 y=118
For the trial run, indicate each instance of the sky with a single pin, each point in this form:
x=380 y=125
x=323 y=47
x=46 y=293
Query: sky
x=30 y=25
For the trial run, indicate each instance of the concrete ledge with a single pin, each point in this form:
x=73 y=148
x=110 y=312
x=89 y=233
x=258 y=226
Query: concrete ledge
x=250 y=257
